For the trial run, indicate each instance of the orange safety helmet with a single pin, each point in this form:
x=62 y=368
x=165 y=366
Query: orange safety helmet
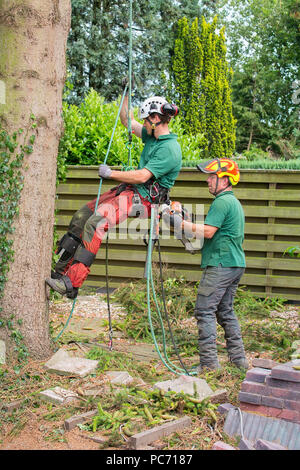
x=221 y=167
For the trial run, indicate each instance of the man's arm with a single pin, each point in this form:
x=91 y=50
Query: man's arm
x=199 y=230
x=131 y=176
x=135 y=126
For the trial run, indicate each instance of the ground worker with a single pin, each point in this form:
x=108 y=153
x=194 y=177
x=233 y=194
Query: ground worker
x=158 y=168
x=223 y=263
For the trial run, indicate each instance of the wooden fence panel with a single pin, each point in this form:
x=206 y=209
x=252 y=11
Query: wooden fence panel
x=271 y=201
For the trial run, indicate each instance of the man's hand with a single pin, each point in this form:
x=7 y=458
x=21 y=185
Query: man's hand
x=104 y=171
x=171 y=217
x=125 y=82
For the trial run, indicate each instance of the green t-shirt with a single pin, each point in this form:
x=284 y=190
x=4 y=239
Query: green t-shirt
x=225 y=247
x=162 y=157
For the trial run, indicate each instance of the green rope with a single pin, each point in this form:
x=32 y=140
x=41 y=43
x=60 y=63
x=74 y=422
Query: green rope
x=67 y=322
x=109 y=145
x=129 y=144
x=172 y=367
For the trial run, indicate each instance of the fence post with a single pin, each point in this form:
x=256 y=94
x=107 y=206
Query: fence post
x=270 y=254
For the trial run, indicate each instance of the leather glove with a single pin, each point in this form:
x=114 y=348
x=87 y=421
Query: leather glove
x=171 y=218
x=104 y=171
x=125 y=82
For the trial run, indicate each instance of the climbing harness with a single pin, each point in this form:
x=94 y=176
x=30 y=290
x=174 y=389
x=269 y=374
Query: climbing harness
x=96 y=206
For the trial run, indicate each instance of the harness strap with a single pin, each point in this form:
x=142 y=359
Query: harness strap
x=84 y=256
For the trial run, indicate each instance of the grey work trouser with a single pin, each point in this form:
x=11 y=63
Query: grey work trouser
x=215 y=297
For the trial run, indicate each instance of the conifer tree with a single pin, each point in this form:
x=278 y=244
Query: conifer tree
x=201 y=78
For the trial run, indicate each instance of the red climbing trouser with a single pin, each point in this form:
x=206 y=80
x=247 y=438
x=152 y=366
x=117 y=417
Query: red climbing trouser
x=113 y=208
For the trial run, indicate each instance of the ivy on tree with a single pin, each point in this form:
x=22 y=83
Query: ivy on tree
x=12 y=155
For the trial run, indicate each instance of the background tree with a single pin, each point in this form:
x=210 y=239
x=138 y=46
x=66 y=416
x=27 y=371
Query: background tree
x=202 y=82
x=264 y=52
x=99 y=38
x=33 y=37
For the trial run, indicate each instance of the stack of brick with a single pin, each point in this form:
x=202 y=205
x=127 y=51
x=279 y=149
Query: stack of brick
x=273 y=392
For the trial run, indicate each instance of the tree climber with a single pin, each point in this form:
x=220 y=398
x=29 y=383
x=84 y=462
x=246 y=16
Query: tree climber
x=158 y=168
x=223 y=261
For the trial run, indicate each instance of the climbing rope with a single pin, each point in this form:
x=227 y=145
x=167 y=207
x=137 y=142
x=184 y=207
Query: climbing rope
x=154 y=217
x=129 y=144
x=166 y=361
x=95 y=210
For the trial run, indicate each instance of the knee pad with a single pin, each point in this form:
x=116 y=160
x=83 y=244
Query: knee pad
x=67 y=246
x=66 y=249
x=84 y=256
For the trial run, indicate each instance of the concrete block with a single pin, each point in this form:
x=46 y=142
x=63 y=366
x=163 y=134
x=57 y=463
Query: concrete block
x=119 y=377
x=283 y=393
x=59 y=396
x=290 y=415
x=257 y=374
x=261 y=444
x=250 y=398
x=72 y=422
x=245 y=444
x=220 y=445
x=63 y=364
x=187 y=384
x=260 y=409
x=158 y=432
x=286 y=384
x=291 y=405
x=286 y=371
x=224 y=408
x=271 y=401
x=264 y=363
x=2 y=352
x=254 y=387
x=219 y=396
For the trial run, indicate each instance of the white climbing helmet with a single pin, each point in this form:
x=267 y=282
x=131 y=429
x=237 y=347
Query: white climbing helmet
x=151 y=105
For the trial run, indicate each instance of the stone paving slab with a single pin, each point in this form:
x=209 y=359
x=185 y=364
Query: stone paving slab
x=119 y=377
x=143 y=352
x=196 y=387
x=63 y=364
x=59 y=396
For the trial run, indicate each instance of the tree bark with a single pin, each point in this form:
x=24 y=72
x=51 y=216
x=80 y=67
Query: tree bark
x=33 y=36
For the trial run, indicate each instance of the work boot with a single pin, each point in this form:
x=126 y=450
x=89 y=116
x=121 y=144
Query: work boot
x=56 y=275
x=63 y=286
x=241 y=363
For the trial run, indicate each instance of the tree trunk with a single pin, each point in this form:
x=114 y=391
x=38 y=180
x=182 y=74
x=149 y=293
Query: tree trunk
x=33 y=35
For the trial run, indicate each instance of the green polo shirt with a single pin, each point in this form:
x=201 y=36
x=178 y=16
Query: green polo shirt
x=162 y=157
x=225 y=246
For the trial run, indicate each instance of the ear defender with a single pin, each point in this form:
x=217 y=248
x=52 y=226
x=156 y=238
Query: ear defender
x=169 y=109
